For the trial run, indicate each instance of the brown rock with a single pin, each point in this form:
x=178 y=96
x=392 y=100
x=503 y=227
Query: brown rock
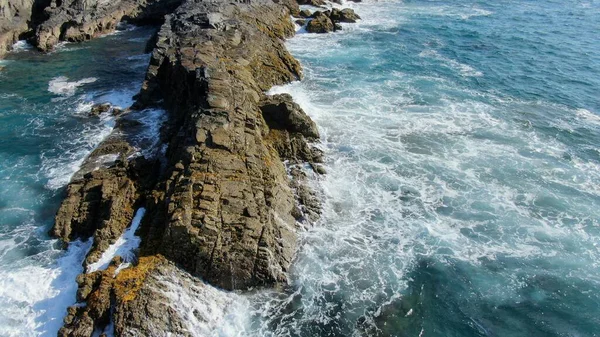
x=228 y=216
x=281 y=112
x=80 y=20
x=345 y=15
x=305 y=13
x=316 y=3
x=99 y=109
x=320 y=23
x=222 y=206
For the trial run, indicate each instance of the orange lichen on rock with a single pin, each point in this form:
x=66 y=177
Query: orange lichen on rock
x=130 y=280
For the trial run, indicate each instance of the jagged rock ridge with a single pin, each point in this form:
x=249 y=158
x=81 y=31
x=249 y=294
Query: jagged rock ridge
x=221 y=205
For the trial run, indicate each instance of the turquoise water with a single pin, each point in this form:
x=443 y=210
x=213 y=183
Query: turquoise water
x=463 y=155
x=45 y=133
x=462 y=196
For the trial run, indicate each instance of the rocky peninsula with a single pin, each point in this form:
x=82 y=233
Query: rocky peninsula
x=225 y=197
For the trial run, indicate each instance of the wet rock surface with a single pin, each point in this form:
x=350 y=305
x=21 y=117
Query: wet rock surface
x=221 y=206
x=329 y=20
x=18 y=19
x=81 y=20
x=345 y=15
x=225 y=204
x=320 y=23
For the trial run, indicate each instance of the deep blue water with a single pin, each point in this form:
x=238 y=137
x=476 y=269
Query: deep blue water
x=462 y=196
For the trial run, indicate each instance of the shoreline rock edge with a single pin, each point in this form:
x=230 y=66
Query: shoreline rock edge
x=221 y=205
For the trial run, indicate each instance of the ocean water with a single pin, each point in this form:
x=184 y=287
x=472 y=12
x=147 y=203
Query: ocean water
x=463 y=189
x=462 y=197
x=45 y=134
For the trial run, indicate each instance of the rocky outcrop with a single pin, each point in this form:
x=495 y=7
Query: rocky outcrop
x=17 y=20
x=345 y=15
x=282 y=113
x=101 y=199
x=80 y=20
x=220 y=203
x=320 y=23
x=328 y=21
x=315 y=3
x=134 y=299
x=226 y=203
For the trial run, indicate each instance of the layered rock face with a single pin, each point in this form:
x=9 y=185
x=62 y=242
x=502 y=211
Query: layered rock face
x=226 y=204
x=220 y=204
x=80 y=20
x=17 y=19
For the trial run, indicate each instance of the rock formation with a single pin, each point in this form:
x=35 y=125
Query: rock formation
x=17 y=20
x=320 y=23
x=328 y=21
x=80 y=20
x=221 y=206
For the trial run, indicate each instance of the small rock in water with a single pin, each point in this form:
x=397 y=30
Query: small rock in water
x=345 y=15
x=98 y=109
x=305 y=13
x=300 y=22
x=316 y=3
x=320 y=23
x=318 y=168
x=117 y=111
x=348 y=15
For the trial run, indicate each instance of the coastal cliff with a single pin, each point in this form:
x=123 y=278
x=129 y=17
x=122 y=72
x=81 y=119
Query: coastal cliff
x=220 y=196
x=18 y=18
x=220 y=203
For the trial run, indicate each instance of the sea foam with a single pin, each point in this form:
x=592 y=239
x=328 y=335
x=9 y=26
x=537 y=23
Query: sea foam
x=61 y=86
x=125 y=245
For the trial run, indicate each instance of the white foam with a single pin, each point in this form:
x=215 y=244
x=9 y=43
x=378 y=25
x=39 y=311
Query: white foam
x=125 y=245
x=59 y=169
x=37 y=308
x=464 y=69
x=22 y=45
x=588 y=116
x=147 y=141
x=452 y=179
x=61 y=86
x=205 y=310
